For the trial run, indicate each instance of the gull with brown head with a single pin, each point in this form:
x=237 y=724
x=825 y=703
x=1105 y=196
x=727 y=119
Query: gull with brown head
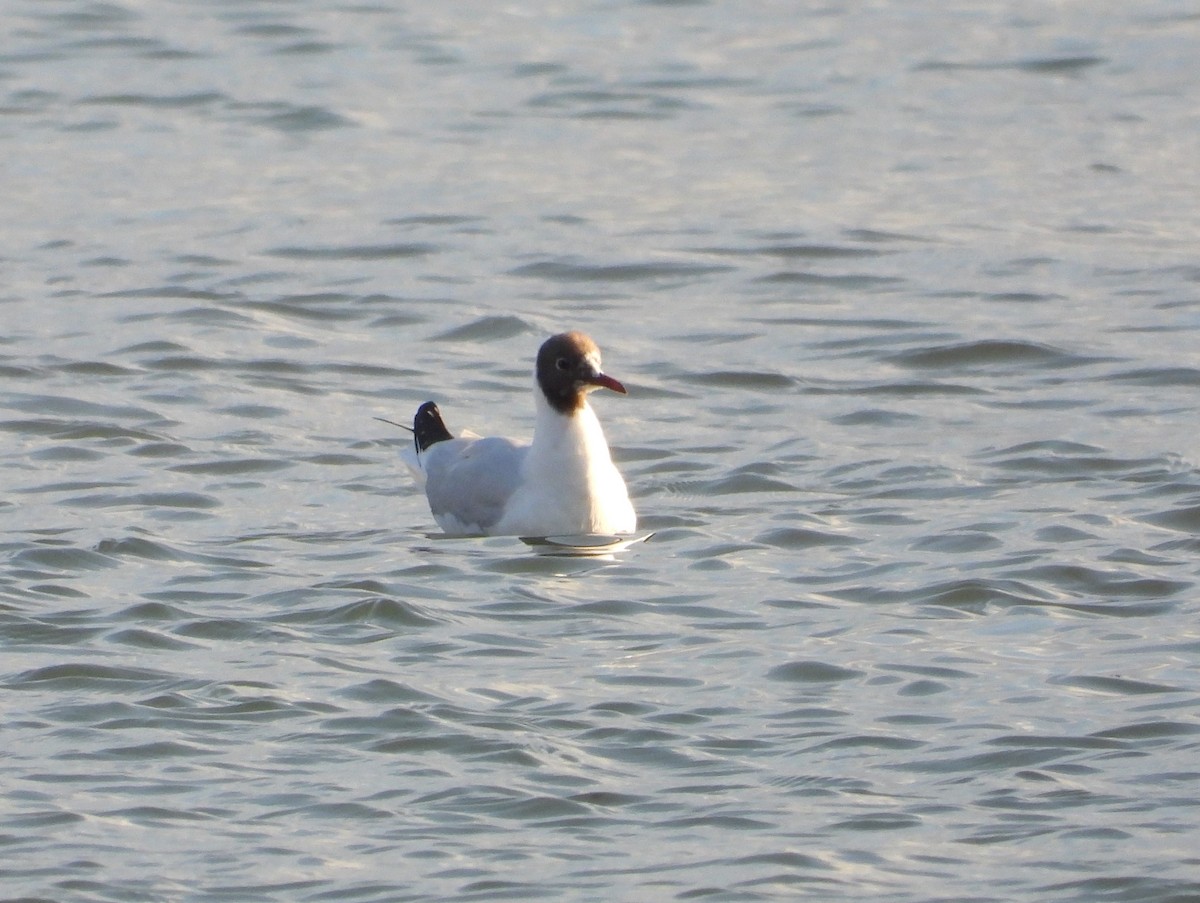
x=563 y=482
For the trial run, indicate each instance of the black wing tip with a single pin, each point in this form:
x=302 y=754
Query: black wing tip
x=428 y=427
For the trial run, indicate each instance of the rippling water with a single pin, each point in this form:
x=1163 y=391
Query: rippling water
x=908 y=301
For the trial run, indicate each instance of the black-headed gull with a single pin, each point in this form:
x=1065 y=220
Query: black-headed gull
x=564 y=482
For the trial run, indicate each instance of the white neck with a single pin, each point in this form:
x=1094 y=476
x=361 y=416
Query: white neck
x=570 y=474
x=573 y=439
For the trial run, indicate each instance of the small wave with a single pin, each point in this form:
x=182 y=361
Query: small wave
x=399 y=250
x=181 y=292
x=738 y=483
x=80 y=408
x=847 y=281
x=287 y=117
x=874 y=417
x=609 y=104
x=485 y=329
x=1185 y=519
x=384 y=612
x=908 y=389
x=157 y=101
x=64 y=559
x=808 y=672
x=1093 y=583
x=83 y=675
x=803 y=538
x=93 y=369
x=743 y=380
x=1059 y=65
x=986 y=353
x=140 y=638
x=1117 y=686
x=1050 y=65
x=385 y=691
x=1186 y=377
x=192 y=500
x=1021 y=297
x=137 y=547
x=796 y=251
x=233 y=467
x=568 y=271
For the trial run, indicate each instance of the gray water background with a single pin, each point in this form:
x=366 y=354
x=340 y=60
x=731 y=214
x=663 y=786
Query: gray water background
x=907 y=296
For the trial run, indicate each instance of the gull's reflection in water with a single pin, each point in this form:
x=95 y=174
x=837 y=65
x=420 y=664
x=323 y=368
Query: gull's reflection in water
x=582 y=545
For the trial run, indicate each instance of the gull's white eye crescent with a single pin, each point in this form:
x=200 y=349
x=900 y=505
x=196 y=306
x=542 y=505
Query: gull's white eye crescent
x=562 y=364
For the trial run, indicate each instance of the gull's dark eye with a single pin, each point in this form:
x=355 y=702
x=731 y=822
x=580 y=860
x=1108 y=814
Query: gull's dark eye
x=562 y=364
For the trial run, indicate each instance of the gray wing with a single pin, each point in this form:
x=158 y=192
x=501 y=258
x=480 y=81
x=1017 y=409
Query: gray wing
x=469 y=481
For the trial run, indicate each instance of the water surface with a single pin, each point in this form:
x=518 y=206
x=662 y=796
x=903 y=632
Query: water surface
x=908 y=303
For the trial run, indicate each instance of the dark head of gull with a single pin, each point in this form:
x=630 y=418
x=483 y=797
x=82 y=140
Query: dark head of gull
x=568 y=367
x=428 y=427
